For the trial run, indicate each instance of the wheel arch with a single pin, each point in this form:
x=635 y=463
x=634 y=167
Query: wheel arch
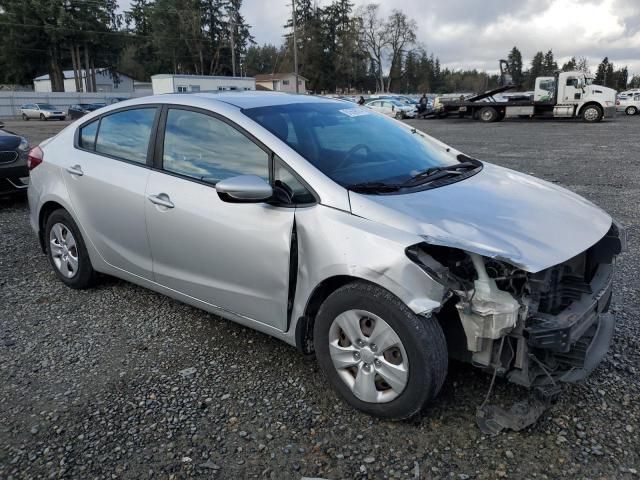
x=304 y=325
x=589 y=104
x=47 y=209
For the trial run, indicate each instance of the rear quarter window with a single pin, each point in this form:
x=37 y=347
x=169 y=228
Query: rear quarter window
x=87 y=136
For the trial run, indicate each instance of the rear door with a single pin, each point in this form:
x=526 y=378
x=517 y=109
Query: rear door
x=106 y=178
x=234 y=256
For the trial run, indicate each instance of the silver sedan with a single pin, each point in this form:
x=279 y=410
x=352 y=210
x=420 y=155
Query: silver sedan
x=338 y=230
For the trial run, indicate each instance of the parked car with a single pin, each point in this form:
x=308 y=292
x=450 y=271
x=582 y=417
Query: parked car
x=393 y=108
x=629 y=104
x=81 y=109
x=14 y=174
x=43 y=111
x=338 y=230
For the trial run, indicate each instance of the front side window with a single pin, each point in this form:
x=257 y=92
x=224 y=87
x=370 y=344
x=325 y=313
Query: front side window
x=352 y=145
x=126 y=134
x=203 y=147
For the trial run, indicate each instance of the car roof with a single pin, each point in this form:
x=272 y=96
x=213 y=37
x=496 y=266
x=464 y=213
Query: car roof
x=253 y=99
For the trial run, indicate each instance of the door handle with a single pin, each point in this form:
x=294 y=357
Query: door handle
x=161 y=199
x=75 y=170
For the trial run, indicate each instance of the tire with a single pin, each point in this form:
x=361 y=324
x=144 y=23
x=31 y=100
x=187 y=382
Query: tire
x=62 y=119
x=419 y=346
x=592 y=114
x=25 y=117
x=399 y=116
x=43 y=118
x=58 y=226
x=631 y=110
x=488 y=114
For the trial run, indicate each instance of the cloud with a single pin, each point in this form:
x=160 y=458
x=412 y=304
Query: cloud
x=476 y=34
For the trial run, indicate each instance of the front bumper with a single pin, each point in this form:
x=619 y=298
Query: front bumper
x=14 y=176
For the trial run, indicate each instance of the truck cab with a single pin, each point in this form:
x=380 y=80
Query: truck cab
x=573 y=94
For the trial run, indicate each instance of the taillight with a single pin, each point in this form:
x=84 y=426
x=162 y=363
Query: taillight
x=35 y=158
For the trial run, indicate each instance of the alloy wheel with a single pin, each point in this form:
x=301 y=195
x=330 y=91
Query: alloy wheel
x=63 y=250
x=368 y=356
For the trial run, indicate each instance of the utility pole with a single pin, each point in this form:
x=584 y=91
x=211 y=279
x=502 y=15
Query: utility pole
x=295 y=45
x=233 y=46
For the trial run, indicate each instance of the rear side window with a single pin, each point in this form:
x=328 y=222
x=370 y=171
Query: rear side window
x=126 y=134
x=87 y=137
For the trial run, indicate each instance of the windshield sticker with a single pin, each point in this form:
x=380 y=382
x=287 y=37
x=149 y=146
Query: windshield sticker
x=355 y=112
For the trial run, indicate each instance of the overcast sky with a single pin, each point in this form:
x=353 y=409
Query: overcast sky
x=476 y=33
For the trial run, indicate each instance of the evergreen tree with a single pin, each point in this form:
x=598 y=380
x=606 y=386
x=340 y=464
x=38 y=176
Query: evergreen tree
x=515 y=64
x=549 y=64
x=571 y=65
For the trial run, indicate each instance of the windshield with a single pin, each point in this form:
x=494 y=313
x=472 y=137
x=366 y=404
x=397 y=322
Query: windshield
x=588 y=80
x=45 y=106
x=352 y=144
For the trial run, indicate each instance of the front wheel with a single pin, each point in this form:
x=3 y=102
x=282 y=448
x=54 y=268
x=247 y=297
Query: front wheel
x=377 y=354
x=43 y=118
x=67 y=251
x=592 y=114
x=25 y=117
x=399 y=116
x=631 y=110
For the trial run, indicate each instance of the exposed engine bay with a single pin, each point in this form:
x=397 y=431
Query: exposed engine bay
x=535 y=329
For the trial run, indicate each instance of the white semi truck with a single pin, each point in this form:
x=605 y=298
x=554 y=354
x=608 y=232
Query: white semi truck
x=565 y=95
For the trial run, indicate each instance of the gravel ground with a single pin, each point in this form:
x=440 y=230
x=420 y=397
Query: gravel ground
x=120 y=382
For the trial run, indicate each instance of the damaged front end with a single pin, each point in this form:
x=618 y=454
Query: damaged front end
x=535 y=329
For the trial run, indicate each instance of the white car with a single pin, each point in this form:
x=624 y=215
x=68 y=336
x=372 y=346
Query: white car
x=43 y=111
x=393 y=108
x=629 y=105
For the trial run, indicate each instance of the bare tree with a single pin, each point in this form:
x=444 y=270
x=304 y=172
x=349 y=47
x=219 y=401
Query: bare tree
x=373 y=38
x=400 y=33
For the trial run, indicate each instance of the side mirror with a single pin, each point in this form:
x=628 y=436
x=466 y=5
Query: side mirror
x=244 y=188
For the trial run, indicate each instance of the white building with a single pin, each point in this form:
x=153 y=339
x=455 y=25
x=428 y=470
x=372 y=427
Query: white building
x=281 y=82
x=105 y=82
x=169 y=83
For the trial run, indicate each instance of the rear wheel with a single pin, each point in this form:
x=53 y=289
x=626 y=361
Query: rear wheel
x=592 y=113
x=631 y=110
x=67 y=251
x=377 y=354
x=488 y=114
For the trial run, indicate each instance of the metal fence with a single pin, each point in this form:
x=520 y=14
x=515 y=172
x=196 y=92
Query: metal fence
x=10 y=101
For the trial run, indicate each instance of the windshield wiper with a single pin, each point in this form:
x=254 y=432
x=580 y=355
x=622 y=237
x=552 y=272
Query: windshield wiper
x=445 y=168
x=372 y=187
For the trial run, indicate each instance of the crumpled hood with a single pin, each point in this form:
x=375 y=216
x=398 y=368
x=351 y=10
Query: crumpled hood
x=499 y=213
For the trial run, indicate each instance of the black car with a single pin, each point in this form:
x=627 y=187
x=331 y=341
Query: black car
x=14 y=174
x=80 y=109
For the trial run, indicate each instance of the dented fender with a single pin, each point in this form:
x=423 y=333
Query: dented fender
x=361 y=249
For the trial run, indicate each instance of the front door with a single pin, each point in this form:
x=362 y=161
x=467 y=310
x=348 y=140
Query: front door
x=234 y=256
x=106 y=178
x=571 y=94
